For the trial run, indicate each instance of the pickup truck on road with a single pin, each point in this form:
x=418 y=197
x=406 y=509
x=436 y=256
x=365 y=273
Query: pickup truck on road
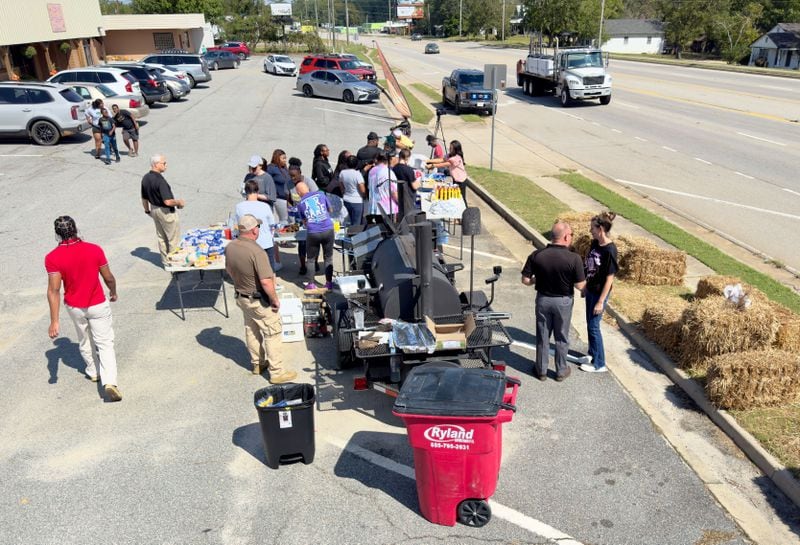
x=464 y=90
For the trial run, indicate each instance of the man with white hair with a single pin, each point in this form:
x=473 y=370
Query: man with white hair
x=160 y=204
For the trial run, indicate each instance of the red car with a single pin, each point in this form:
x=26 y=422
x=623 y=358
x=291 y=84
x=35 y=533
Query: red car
x=237 y=48
x=336 y=62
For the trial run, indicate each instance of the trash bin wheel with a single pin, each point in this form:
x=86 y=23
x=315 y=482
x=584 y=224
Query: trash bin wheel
x=475 y=513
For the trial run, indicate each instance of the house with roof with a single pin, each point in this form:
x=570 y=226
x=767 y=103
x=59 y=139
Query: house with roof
x=778 y=48
x=633 y=36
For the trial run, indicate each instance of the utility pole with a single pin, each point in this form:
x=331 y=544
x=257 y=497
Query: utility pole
x=460 y=12
x=347 y=22
x=503 y=28
x=316 y=16
x=600 y=33
x=390 y=17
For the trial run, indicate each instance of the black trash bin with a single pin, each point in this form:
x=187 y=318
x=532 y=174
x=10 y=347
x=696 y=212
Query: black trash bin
x=287 y=430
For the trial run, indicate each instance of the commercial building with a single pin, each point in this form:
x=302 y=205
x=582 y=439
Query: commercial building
x=40 y=37
x=131 y=37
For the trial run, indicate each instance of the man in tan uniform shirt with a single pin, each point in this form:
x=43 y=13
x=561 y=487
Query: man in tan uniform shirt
x=254 y=285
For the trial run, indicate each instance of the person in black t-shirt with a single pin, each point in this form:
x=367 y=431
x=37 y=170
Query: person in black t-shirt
x=130 y=129
x=160 y=204
x=366 y=155
x=407 y=190
x=556 y=272
x=601 y=267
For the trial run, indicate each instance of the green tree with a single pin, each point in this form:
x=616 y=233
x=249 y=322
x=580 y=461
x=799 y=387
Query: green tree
x=735 y=31
x=779 y=11
x=251 y=29
x=685 y=20
x=213 y=9
x=115 y=7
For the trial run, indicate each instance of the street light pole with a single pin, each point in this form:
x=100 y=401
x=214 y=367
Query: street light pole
x=600 y=34
x=460 y=13
x=347 y=22
x=503 y=28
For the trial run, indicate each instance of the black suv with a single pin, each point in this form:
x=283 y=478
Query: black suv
x=151 y=83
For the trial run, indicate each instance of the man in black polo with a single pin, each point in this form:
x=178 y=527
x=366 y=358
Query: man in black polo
x=556 y=272
x=366 y=155
x=160 y=204
x=130 y=129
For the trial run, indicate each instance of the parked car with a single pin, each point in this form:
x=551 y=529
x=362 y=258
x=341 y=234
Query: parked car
x=431 y=48
x=152 y=84
x=177 y=82
x=416 y=37
x=221 y=59
x=195 y=67
x=336 y=62
x=280 y=64
x=45 y=112
x=135 y=103
x=120 y=81
x=339 y=84
x=358 y=61
x=239 y=49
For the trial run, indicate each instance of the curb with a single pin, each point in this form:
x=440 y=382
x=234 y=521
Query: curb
x=767 y=463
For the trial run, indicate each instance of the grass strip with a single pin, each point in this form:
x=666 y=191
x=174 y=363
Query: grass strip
x=471 y=118
x=522 y=196
x=420 y=113
x=428 y=91
x=680 y=239
x=776 y=429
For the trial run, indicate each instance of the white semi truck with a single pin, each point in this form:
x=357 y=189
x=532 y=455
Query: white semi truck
x=573 y=73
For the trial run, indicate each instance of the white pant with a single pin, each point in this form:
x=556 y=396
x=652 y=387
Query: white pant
x=96 y=340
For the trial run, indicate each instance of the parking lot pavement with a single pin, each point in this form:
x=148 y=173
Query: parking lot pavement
x=179 y=460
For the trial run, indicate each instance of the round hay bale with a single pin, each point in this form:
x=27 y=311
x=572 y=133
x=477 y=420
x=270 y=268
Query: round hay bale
x=755 y=378
x=662 y=324
x=713 y=326
x=788 y=335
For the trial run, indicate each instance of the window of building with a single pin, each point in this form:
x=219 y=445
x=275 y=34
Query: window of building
x=649 y=40
x=625 y=40
x=163 y=40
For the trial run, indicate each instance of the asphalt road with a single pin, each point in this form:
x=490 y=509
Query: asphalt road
x=721 y=148
x=179 y=460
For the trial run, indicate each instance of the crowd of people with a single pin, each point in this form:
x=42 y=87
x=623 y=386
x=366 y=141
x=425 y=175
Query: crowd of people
x=104 y=126
x=557 y=272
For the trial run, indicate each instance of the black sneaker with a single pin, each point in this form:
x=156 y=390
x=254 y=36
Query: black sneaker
x=303 y=271
x=117 y=158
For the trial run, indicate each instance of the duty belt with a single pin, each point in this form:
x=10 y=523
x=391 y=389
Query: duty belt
x=252 y=297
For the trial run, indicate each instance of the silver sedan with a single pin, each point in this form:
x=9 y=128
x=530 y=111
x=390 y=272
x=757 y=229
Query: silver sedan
x=337 y=84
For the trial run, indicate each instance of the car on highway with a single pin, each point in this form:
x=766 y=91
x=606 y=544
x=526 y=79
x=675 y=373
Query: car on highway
x=120 y=81
x=464 y=89
x=221 y=59
x=134 y=103
x=338 y=84
x=416 y=37
x=336 y=62
x=280 y=64
x=195 y=67
x=431 y=48
x=239 y=49
x=44 y=111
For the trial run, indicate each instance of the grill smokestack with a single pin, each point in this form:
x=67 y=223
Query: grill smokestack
x=423 y=235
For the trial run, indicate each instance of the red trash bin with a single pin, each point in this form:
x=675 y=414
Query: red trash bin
x=454 y=419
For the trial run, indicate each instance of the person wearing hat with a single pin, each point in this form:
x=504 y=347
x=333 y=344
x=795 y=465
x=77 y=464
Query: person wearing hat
x=437 y=150
x=260 y=210
x=366 y=155
x=79 y=265
x=254 y=289
x=256 y=167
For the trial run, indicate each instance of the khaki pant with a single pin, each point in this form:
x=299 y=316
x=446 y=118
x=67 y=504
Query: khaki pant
x=168 y=230
x=262 y=333
x=96 y=340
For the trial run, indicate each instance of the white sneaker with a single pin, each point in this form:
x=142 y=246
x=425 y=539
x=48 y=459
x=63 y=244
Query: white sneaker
x=590 y=368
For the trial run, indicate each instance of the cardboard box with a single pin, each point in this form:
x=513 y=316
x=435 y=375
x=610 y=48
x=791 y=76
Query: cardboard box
x=451 y=336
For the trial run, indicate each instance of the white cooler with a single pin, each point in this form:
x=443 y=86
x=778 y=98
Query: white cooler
x=292 y=318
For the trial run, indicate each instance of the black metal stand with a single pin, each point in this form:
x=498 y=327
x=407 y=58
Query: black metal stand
x=201 y=286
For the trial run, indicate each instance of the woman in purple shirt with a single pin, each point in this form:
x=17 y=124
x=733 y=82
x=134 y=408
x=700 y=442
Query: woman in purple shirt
x=315 y=210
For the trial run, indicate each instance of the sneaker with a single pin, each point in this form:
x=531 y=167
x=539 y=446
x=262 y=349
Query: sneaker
x=562 y=378
x=278 y=266
x=310 y=286
x=328 y=285
x=303 y=271
x=590 y=368
x=112 y=393
x=93 y=378
x=117 y=159
x=286 y=376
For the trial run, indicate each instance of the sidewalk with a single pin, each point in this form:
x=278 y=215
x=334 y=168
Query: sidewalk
x=516 y=153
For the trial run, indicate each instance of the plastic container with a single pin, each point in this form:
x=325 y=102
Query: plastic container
x=287 y=424
x=454 y=420
x=292 y=318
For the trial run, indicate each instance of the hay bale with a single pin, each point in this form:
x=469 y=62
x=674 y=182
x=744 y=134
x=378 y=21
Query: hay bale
x=715 y=285
x=580 y=222
x=788 y=335
x=643 y=261
x=581 y=244
x=662 y=323
x=713 y=326
x=633 y=299
x=756 y=378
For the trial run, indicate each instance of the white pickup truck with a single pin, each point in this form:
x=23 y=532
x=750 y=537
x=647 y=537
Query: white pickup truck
x=570 y=73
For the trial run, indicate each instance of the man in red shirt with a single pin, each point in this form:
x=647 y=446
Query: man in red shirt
x=77 y=263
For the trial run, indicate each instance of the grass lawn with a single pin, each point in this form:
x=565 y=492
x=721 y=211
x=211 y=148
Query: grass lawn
x=420 y=113
x=471 y=118
x=704 y=252
x=777 y=430
x=526 y=199
x=428 y=91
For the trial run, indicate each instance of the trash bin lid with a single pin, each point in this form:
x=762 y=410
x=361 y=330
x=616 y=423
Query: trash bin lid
x=450 y=390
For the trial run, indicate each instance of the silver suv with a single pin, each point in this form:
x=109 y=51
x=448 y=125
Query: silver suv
x=195 y=66
x=44 y=111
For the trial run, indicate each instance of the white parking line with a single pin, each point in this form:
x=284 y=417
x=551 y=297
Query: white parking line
x=382 y=118
x=595 y=123
x=711 y=199
x=761 y=139
x=22 y=155
x=790 y=191
x=640 y=139
x=466 y=250
x=703 y=161
x=616 y=130
x=669 y=149
x=498 y=510
x=743 y=175
x=571 y=115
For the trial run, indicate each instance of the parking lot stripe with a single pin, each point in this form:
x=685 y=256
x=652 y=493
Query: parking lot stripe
x=498 y=510
x=466 y=250
x=380 y=117
x=22 y=155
